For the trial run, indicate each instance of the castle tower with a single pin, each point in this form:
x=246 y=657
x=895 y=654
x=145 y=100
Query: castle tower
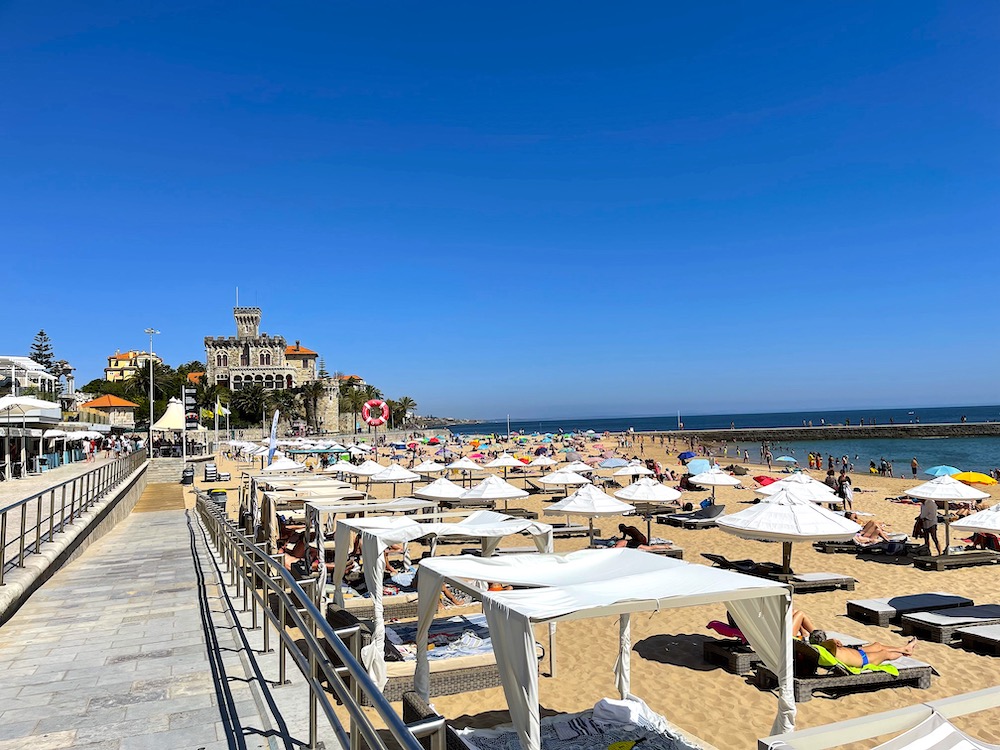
x=328 y=413
x=247 y=322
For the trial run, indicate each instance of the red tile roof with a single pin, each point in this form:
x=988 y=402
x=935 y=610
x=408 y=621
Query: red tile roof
x=298 y=349
x=195 y=377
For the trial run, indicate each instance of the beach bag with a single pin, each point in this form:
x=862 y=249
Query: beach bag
x=918 y=527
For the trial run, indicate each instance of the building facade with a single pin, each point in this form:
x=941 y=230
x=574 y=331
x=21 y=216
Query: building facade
x=255 y=358
x=125 y=365
x=18 y=373
x=120 y=413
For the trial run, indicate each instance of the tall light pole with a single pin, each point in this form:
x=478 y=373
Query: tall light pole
x=149 y=440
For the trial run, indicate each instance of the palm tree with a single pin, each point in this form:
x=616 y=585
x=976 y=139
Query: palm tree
x=352 y=400
x=371 y=392
x=311 y=394
x=285 y=401
x=406 y=405
x=249 y=402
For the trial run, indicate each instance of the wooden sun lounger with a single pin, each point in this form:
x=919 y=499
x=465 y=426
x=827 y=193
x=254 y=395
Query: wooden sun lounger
x=911 y=672
x=737 y=657
x=459 y=503
x=705 y=518
x=806 y=583
x=984 y=638
x=543 y=489
x=573 y=529
x=956 y=560
x=941 y=626
x=881 y=612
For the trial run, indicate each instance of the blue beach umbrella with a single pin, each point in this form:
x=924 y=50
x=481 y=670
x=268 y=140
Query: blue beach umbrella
x=787 y=459
x=686 y=455
x=699 y=465
x=612 y=463
x=942 y=471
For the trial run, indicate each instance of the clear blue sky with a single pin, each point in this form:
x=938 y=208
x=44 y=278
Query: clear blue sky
x=546 y=209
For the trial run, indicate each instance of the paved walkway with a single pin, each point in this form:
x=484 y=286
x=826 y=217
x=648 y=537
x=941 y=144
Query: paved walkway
x=128 y=647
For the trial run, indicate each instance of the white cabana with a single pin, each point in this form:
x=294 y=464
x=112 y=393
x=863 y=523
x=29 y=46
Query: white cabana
x=378 y=534
x=785 y=518
x=599 y=583
x=945 y=490
x=394 y=474
x=440 y=489
x=493 y=488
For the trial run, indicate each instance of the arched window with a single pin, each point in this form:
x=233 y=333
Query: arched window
x=245 y=359
x=237 y=383
x=222 y=360
x=289 y=381
x=265 y=359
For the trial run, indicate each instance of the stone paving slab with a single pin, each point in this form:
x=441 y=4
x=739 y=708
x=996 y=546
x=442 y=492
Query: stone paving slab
x=128 y=647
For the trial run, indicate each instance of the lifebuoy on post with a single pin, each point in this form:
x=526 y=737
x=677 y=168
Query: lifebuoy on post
x=375 y=413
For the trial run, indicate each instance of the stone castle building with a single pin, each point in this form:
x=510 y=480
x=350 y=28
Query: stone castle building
x=254 y=358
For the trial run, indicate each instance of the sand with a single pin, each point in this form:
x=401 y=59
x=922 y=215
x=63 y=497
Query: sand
x=723 y=709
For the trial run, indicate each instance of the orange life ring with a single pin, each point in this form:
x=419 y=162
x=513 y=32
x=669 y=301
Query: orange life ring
x=375 y=412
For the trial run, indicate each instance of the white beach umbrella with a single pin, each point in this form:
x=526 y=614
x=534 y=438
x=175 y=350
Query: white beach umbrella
x=648 y=490
x=785 y=518
x=590 y=502
x=20 y=406
x=543 y=461
x=429 y=467
x=564 y=478
x=802 y=486
x=984 y=522
x=714 y=477
x=633 y=470
x=504 y=461
x=394 y=474
x=370 y=468
x=494 y=488
x=439 y=489
x=465 y=464
x=579 y=467
x=943 y=490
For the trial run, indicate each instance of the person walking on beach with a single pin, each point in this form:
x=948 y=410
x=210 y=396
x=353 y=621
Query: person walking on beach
x=928 y=522
x=914 y=466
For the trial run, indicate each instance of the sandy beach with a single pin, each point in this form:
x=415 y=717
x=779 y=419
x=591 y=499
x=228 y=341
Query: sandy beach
x=723 y=709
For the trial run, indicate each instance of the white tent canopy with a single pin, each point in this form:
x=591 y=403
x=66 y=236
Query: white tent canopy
x=378 y=534
x=599 y=583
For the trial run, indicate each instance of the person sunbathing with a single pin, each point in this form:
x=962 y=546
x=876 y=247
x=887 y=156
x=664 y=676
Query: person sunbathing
x=874 y=653
x=871 y=532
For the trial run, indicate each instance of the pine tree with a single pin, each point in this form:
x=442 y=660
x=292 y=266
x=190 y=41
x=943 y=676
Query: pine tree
x=41 y=352
x=323 y=374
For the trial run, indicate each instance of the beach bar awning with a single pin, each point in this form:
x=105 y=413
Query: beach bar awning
x=599 y=583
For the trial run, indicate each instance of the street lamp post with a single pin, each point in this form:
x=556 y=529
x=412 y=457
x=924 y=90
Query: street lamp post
x=149 y=440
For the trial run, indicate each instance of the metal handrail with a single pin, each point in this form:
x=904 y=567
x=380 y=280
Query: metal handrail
x=75 y=495
x=256 y=576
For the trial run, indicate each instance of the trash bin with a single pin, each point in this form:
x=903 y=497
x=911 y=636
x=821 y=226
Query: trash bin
x=187 y=476
x=218 y=497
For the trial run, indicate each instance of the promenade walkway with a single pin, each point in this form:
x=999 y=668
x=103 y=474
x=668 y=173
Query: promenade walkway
x=129 y=647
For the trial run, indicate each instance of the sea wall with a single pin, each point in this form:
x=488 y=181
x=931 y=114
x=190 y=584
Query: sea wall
x=838 y=432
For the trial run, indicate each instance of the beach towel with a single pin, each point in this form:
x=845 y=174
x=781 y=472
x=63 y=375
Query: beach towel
x=826 y=659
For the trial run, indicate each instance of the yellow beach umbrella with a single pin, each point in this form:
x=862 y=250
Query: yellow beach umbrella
x=974 y=477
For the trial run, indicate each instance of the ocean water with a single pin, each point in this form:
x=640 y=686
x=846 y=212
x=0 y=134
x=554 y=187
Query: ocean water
x=967 y=453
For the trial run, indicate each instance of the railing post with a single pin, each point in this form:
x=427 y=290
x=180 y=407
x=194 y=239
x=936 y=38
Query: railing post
x=52 y=512
x=24 y=518
x=3 y=544
x=38 y=523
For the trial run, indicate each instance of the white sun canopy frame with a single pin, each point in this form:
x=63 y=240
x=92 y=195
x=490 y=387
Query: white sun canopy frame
x=599 y=583
x=378 y=534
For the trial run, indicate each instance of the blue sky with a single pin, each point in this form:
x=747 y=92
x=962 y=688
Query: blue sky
x=544 y=209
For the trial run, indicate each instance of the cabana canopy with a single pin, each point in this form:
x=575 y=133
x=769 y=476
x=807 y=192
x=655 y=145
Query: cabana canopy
x=599 y=583
x=378 y=534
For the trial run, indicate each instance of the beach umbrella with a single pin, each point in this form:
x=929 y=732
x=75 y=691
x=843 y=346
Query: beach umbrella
x=21 y=405
x=394 y=474
x=686 y=455
x=428 y=467
x=633 y=470
x=942 y=471
x=648 y=490
x=590 y=502
x=699 y=466
x=944 y=490
x=984 y=522
x=503 y=461
x=439 y=489
x=465 y=464
x=802 y=486
x=543 y=461
x=786 y=460
x=973 y=477
x=785 y=518
x=573 y=456
x=579 y=467
x=564 y=478
x=493 y=488
x=283 y=466
x=714 y=477
x=613 y=463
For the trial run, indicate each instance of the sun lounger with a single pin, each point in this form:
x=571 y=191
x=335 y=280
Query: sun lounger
x=704 y=518
x=896 y=547
x=940 y=626
x=572 y=529
x=737 y=657
x=471 y=503
x=985 y=638
x=956 y=560
x=800 y=583
x=912 y=672
x=542 y=489
x=881 y=612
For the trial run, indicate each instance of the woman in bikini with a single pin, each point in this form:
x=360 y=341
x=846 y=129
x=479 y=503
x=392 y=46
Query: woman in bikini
x=871 y=653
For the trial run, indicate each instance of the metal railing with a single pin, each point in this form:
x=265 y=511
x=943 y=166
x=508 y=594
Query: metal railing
x=268 y=589
x=55 y=507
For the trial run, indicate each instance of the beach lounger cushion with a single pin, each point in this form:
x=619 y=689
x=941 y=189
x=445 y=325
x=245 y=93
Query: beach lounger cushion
x=985 y=638
x=940 y=626
x=881 y=612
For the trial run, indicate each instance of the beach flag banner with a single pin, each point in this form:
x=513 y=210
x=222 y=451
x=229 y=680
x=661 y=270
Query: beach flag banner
x=274 y=438
x=220 y=410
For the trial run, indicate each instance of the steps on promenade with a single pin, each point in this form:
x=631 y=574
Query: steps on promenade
x=165 y=470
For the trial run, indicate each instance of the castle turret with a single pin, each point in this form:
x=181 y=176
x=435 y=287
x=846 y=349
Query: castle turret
x=247 y=322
